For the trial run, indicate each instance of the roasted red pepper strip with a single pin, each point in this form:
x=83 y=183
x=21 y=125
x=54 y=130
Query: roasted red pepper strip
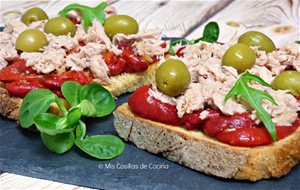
x=115 y=64
x=240 y=130
x=18 y=71
x=21 y=88
x=56 y=80
x=217 y=125
x=108 y=57
x=247 y=137
x=150 y=108
x=193 y=121
x=179 y=52
x=284 y=131
x=133 y=61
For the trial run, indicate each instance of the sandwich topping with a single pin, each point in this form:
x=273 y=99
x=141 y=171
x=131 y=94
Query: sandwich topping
x=77 y=44
x=201 y=105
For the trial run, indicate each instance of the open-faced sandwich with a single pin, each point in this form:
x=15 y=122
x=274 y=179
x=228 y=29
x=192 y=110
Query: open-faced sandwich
x=83 y=44
x=228 y=111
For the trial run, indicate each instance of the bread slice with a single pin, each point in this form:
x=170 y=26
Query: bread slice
x=197 y=151
x=120 y=84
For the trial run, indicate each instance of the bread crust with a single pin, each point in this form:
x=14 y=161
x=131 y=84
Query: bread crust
x=120 y=84
x=197 y=151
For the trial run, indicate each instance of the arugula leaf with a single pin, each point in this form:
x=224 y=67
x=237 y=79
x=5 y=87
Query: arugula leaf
x=59 y=143
x=297 y=41
x=88 y=13
x=254 y=97
x=101 y=146
x=210 y=34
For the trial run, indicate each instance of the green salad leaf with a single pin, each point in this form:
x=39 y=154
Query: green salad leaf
x=52 y=124
x=210 y=34
x=297 y=41
x=99 y=97
x=87 y=108
x=254 y=97
x=59 y=143
x=88 y=13
x=80 y=130
x=101 y=146
x=35 y=102
x=71 y=91
x=57 y=132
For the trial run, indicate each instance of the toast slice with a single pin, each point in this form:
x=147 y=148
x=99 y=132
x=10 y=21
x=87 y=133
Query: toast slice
x=120 y=84
x=195 y=150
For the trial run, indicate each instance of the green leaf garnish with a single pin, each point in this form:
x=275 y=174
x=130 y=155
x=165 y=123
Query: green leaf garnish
x=88 y=13
x=210 y=34
x=254 y=97
x=57 y=132
x=101 y=146
x=35 y=102
x=98 y=96
x=297 y=41
x=59 y=143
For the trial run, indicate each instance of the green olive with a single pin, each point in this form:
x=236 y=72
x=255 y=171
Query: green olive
x=32 y=15
x=288 y=80
x=239 y=56
x=120 y=24
x=31 y=40
x=172 y=77
x=254 y=38
x=60 y=26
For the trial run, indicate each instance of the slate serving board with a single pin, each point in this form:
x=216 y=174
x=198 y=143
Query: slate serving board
x=22 y=152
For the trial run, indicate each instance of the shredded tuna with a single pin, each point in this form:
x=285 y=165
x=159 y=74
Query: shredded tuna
x=14 y=28
x=144 y=43
x=203 y=114
x=110 y=11
x=95 y=34
x=90 y=57
x=211 y=81
x=62 y=41
x=164 y=98
x=99 y=69
x=278 y=61
x=75 y=15
x=47 y=61
x=7 y=49
x=285 y=113
x=262 y=72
